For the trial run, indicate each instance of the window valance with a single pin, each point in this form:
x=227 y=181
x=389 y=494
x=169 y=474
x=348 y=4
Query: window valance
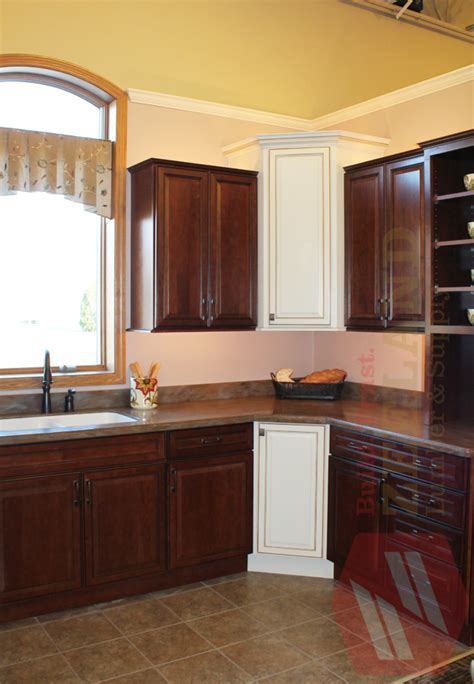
x=78 y=168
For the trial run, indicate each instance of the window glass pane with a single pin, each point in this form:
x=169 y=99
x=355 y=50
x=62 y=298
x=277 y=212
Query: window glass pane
x=49 y=281
x=36 y=107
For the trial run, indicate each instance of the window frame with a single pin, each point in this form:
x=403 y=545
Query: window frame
x=113 y=102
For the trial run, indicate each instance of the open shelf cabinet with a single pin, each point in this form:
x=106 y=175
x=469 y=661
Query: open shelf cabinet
x=449 y=367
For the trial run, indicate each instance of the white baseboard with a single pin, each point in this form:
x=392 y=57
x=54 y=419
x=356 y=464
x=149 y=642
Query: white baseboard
x=290 y=565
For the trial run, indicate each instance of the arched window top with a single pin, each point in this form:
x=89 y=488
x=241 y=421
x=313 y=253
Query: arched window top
x=34 y=106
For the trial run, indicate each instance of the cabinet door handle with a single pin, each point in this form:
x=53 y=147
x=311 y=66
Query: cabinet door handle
x=358 y=447
x=381 y=489
x=414 y=531
x=173 y=480
x=418 y=462
x=89 y=492
x=77 y=493
x=380 y=302
x=212 y=308
x=204 y=309
x=211 y=440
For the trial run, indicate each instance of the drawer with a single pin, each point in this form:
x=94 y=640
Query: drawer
x=427 y=537
x=419 y=498
x=437 y=585
x=213 y=440
x=431 y=466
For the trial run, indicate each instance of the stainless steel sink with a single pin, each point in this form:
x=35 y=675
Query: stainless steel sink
x=62 y=422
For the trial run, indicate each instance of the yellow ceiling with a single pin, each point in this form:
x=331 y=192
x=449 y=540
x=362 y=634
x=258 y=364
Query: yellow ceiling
x=299 y=57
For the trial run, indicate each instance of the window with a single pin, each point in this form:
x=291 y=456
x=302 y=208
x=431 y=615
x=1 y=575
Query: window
x=60 y=265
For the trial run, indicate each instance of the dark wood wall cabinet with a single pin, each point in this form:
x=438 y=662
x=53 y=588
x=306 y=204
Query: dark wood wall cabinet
x=408 y=499
x=91 y=520
x=384 y=225
x=193 y=247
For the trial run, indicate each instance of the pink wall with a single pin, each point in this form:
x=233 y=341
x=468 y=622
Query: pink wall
x=389 y=359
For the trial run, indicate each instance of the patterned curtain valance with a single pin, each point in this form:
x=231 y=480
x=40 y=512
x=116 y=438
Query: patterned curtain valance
x=79 y=168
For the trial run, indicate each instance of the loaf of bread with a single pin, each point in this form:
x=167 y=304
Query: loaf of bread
x=332 y=375
x=284 y=375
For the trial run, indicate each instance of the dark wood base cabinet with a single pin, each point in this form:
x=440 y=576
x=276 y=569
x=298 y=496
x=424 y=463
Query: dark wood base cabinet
x=409 y=503
x=94 y=520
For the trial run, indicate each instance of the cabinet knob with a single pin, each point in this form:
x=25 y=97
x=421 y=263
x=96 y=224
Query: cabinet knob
x=77 y=494
x=173 y=479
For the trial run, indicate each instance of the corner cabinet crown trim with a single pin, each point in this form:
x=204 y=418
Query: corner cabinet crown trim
x=301 y=223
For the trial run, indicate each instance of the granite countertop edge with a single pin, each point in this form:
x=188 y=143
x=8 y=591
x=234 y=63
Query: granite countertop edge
x=382 y=421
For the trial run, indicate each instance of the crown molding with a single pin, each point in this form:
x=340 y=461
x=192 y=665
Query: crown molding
x=301 y=139
x=189 y=104
x=396 y=97
x=411 y=92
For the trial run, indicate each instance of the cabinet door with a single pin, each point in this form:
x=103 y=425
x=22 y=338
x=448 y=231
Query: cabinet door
x=292 y=490
x=125 y=523
x=364 y=216
x=210 y=509
x=40 y=536
x=354 y=508
x=404 y=242
x=183 y=248
x=299 y=237
x=233 y=225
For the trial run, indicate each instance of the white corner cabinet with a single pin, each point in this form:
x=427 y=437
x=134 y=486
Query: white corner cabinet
x=301 y=222
x=291 y=499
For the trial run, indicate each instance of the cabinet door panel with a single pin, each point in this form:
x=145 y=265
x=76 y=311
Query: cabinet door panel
x=233 y=234
x=210 y=509
x=292 y=491
x=354 y=509
x=364 y=202
x=404 y=241
x=40 y=536
x=299 y=237
x=183 y=248
x=125 y=523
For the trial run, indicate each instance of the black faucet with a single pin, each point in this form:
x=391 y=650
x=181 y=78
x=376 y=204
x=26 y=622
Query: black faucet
x=46 y=384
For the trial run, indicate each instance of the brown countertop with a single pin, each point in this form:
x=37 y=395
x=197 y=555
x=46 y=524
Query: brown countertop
x=383 y=420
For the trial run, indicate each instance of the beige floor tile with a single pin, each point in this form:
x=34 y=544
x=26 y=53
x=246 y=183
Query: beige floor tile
x=139 y=617
x=294 y=583
x=18 y=624
x=281 y=612
x=198 y=603
x=313 y=673
x=250 y=589
x=425 y=647
x=320 y=637
x=73 y=612
x=208 y=668
x=227 y=628
x=50 y=670
x=24 y=644
x=327 y=598
x=150 y=676
x=226 y=578
x=364 y=664
x=83 y=630
x=265 y=655
x=107 y=660
x=355 y=621
x=170 y=643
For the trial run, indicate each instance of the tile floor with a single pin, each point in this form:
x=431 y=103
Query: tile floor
x=244 y=628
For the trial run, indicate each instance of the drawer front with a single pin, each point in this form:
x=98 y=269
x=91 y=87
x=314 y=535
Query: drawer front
x=418 y=498
x=427 y=537
x=431 y=466
x=213 y=440
x=437 y=586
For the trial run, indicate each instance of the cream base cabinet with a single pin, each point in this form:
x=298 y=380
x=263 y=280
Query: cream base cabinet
x=291 y=483
x=301 y=223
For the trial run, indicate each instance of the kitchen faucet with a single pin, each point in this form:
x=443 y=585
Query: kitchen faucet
x=46 y=384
